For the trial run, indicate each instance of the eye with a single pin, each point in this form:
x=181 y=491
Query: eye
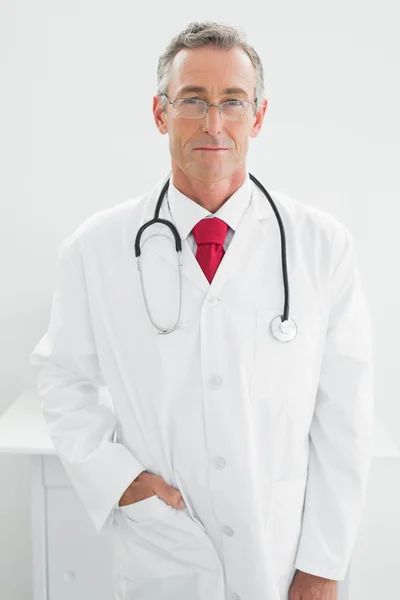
x=234 y=102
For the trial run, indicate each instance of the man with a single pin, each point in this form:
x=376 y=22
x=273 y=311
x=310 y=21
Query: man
x=240 y=463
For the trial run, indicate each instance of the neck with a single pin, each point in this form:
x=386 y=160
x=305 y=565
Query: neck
x=209 y=194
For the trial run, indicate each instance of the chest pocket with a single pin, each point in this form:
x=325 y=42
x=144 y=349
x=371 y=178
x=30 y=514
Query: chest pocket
x=285 y=374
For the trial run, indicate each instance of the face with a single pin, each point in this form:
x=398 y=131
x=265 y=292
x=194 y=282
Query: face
x=215 y=70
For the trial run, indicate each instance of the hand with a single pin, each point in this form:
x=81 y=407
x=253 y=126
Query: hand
x=148 y=484
x=311 y=587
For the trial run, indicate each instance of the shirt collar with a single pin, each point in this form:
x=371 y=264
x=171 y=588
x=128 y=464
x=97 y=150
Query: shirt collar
x=186 y=212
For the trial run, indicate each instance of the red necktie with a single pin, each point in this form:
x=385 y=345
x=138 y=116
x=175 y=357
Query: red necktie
x=210 y=235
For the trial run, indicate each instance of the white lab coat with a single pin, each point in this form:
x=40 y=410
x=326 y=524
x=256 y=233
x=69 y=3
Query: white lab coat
x=269 y=443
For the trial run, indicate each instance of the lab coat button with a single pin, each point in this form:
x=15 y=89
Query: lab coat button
x=228 y=531
x=235 y=596
x=219 y=463
x=213 y=300
x=216 y=381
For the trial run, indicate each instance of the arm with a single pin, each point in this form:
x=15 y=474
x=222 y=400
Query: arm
x=341 y=433
x=69 y=383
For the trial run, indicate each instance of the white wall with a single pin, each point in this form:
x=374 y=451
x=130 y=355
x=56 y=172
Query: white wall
x=77 y=135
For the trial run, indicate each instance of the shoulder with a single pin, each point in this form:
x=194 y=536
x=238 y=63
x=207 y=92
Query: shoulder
x=107 y=227
x=311 y=222
x=114 y=226
x=315 y=236
x=299 y=213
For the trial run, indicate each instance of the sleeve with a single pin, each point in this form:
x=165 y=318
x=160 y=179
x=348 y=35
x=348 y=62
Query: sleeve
x=341 y=432
x=69 y=383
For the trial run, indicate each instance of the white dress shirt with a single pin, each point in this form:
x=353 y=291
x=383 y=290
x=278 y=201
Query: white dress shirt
x=186 y=213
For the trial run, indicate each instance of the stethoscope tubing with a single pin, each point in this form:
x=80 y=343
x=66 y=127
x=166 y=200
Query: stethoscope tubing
x=285 y=321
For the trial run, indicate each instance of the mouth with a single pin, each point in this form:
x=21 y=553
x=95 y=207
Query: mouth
x=212 y=149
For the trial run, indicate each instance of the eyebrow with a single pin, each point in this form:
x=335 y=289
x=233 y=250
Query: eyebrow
x=195 y=88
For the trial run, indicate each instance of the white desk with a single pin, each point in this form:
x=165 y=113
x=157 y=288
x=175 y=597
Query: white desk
x=70 y=560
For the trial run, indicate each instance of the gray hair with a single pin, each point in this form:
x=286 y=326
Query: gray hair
x=208 y=33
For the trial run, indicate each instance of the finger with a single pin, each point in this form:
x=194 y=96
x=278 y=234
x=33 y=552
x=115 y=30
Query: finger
x=169 y=494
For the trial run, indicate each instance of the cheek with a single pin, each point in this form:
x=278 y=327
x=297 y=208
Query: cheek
x=244 y=144
x=239 y=139
x=183 y=138
x=177 y=142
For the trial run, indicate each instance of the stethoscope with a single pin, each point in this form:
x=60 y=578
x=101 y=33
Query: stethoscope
x=283 y=328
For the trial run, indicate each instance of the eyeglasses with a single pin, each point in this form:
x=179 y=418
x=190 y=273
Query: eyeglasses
x=194 y=108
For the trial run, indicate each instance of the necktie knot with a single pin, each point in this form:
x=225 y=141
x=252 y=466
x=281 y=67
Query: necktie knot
x=210 y=234
x=210 y=230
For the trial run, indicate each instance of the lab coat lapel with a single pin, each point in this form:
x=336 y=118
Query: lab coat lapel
x=248 y=238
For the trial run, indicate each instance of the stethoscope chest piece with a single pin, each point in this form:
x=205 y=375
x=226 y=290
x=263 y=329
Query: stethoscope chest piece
x=283 y=331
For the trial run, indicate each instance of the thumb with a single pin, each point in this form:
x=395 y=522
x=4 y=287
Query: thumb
x=166 y=492
x=181 y=504
x=170 y=495
x=175 y=498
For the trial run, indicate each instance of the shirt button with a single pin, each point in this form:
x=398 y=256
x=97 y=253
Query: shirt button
x=228 y=531
x=213 y=300
x=216 y=381
x=219 y=463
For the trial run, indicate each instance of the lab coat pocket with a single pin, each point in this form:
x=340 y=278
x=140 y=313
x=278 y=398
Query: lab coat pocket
x=157 y=549
x=284 y=522
x=143 y=509
x=285 y=374
x=189 y=507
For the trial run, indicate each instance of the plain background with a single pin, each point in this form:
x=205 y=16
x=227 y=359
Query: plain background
x=77 y=135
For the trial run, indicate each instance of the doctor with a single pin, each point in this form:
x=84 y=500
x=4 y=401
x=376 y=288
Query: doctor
x=230 y=465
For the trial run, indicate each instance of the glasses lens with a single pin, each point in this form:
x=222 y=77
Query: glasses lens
x=189 y=108
x=236 y=110
x=192 y=108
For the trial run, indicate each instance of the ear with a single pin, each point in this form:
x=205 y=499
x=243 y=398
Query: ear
x=160 y=117
x=258 y=119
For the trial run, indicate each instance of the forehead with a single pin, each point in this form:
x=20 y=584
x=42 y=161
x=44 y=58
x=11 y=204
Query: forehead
x=226 y=71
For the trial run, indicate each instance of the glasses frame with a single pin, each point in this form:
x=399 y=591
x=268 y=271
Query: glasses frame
x=207 y=105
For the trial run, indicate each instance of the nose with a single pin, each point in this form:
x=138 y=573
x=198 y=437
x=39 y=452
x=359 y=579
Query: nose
x=213 y=120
